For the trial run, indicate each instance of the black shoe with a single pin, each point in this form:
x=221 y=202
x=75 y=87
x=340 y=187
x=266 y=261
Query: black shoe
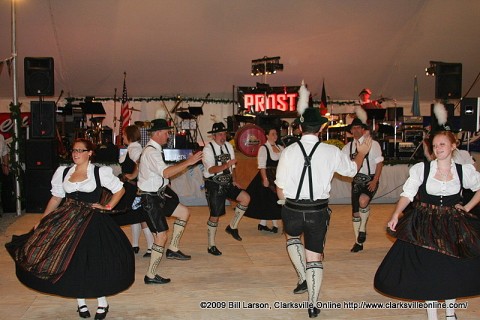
x=177 y=255
x=233 y=232
x=156 y=280
x=301 y=288
x=135 y=249
x=261 y=227
x=148 y=253
x=313 y=312
x=274 y=230
x=362 y=236
x=83 y=314
x=101 y=315
x=213 y=250
x=357 y=247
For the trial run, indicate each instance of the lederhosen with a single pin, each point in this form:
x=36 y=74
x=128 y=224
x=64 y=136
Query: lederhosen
x=220 y=186
x=158 y=205
x=307 y=216
x=360 y=183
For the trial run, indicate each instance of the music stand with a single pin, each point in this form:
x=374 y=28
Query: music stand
x=195 y=111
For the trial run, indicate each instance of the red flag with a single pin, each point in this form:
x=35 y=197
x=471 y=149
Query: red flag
x=125 y=111
x=323 y=101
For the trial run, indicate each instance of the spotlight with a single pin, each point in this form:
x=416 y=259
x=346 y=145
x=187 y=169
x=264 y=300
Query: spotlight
x=266 y=65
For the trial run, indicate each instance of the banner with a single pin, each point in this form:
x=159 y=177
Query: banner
x=264 y=98
x=6 y=123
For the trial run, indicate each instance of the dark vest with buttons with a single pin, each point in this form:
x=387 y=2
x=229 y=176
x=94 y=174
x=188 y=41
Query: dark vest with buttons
x=89 y=197
x=447 y=201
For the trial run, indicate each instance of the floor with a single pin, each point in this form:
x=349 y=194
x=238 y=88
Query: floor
x=255 y=272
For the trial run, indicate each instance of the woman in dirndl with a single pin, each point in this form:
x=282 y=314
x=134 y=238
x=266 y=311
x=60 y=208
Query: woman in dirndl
x=77 y=250
x=436 y=256
x=262 y=189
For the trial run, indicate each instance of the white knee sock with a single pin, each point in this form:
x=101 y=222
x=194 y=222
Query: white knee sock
x=450 y=311
x=102 y=302
x=81 y=302
x=296 y=252
x=356 y=226
x=364 y=213
x=136 y=228
x=432 y=312
x=263 y=222
x=212 y=231
x=238 y=214
x=314 y=275
x=275 y=223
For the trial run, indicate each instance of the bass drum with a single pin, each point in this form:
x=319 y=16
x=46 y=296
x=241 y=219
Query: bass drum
x=249 y=139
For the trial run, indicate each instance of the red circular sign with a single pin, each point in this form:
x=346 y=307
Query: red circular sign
x=249 y=139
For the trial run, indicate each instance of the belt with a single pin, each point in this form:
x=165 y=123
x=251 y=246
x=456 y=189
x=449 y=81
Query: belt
x=306 y=204
x=147 y=192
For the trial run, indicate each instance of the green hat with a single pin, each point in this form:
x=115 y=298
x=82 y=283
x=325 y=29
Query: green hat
x=159 y=124
x=311 y=117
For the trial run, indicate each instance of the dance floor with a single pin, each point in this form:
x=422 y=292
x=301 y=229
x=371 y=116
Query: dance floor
x=253 y=279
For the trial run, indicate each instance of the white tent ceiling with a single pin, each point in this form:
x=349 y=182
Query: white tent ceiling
x=195 y=47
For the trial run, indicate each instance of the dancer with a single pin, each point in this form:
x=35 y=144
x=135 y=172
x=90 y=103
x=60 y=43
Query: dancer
x=129 y=165
x=220 y=183
x=262 y=189
x=159 y=201
x=306 y=194
x=437 y=252
x=365 y=183
x=77 y=250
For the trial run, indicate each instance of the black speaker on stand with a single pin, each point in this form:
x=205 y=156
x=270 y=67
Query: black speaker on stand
x=41 y=161
x=448 y=81
x=43 y=119
x=39 y=78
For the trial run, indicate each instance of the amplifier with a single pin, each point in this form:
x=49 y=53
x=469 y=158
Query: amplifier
x=415 y=136
x=411 y=119
x=412 y=127
x=406 y=146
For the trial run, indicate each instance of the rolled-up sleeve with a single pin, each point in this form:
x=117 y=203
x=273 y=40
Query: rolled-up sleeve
x=109 y=180
x=415 y=179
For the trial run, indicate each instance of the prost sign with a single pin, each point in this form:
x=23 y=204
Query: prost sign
x=272 y=98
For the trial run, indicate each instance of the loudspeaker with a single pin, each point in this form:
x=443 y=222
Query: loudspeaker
x=450 y=111
x=469 y=114
x=43 y=119
x=448 y=81
x=41 y=154
x=37 y=189
x=391 y=113
x=38 y=74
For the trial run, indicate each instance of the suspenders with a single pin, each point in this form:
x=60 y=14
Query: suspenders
x=307 y=165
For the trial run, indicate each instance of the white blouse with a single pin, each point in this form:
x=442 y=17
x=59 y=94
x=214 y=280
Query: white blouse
x=435 y=187
x=134 y=151
x=107 y=180
x=262 y=155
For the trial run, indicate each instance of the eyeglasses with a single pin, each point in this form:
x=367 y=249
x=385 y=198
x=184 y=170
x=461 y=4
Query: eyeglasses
x=79 y=150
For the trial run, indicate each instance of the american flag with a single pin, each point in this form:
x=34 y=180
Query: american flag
x=126 y=112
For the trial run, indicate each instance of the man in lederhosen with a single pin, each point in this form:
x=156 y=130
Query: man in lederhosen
x=365 y=183
x=303 y=180
x=159 y=201
x=220 y=184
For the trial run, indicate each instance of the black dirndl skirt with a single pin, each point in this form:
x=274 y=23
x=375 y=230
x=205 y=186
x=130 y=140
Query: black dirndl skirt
x=435 y=257
x=263 y=201
x=100 y=264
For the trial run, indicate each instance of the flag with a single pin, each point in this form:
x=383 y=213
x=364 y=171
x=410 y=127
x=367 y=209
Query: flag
x=323 y=101
x=125 y=110
x=416 y=101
